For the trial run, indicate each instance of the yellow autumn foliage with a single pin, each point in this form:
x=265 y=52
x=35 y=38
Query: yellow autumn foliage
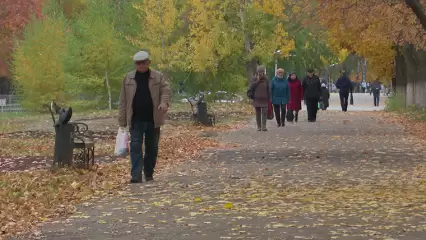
x=371 y=29
x=159 y=21
x=218 y=30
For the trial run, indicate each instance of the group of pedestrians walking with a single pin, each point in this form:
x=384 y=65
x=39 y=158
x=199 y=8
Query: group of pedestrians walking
x=285 y=96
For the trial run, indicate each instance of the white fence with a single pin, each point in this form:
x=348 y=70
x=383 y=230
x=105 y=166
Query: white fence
x=10 y=103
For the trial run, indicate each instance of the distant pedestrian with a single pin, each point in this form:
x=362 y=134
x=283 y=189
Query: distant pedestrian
x=280 y=94
x=345 y=87
x=312 y=94
x=144 y=100
x=325 y=97
x=296 y=96
x=376 y=87
x=260 y=88
x=364 y=87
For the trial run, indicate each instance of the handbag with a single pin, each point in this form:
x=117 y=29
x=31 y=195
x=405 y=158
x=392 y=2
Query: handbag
x=289 y=116
x=250 y=92
x=270 y=114
x=351 y=101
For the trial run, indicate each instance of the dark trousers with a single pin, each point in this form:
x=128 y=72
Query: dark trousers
x=312 y=108
x=261 y=116
x=280 y=110
x=376 y=96
x=344 y=100
x=139 y=132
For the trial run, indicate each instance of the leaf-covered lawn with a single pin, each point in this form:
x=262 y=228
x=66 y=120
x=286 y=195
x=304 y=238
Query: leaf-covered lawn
x=348 y=176
x=33 y=196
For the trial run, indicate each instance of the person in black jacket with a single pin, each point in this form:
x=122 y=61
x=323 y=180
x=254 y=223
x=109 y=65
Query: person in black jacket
x=344 y=85
x=376 y=87
x=312 y=94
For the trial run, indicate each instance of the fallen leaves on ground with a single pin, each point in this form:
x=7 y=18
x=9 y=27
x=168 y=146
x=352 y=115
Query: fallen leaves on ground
x=27 y=198
x=412 y=125
x=306 y=181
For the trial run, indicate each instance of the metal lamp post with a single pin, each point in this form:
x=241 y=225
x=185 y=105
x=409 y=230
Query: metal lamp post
x=329 y=80
x=276 y=61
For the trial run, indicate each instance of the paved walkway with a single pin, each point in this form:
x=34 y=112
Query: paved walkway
x=348 y=176
x=362 y=102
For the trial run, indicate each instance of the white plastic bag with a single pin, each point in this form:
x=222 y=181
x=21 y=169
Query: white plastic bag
x=121 y=144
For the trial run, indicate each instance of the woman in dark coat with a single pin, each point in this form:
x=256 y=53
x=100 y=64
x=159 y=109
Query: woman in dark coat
x=296 y=95
x=260 y=87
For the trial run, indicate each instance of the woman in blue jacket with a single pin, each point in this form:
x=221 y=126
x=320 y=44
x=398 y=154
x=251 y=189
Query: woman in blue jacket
x=280 y=95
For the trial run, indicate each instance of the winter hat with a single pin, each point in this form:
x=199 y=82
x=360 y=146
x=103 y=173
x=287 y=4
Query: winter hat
x=141 y=56
x=261 y=68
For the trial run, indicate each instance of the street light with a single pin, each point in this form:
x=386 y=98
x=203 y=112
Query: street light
x=276 y=60
x=329 y=80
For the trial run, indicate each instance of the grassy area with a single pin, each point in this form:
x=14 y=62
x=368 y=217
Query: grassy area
x=10 y=122
x=175 y=107
x=396 y=104
x=10 y=115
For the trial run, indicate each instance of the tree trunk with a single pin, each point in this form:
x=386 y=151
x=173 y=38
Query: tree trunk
x=162 y=32
x=411 y=70
x=248 y=44
x=109 y=90
x=400 y=76
x=420 y=86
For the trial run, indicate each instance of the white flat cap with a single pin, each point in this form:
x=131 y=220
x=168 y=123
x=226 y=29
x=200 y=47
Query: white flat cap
x=141 y=56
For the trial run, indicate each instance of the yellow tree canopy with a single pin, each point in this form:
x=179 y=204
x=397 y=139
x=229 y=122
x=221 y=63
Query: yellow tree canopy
x=223 y=29
x=371 y=28
x=159 y=21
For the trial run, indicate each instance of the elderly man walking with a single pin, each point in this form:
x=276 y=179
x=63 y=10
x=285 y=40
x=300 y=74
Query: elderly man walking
x=144 y=100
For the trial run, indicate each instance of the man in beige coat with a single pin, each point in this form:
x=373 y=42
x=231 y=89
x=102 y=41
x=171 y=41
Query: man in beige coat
x=144 y=100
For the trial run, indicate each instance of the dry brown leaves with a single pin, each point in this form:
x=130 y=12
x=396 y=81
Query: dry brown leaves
x=412 y=126
x=29 y=198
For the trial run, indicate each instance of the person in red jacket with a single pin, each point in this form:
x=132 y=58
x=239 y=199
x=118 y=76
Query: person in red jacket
x=296 y=95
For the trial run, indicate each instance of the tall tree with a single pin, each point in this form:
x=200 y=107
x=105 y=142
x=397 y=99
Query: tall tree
x=157 y=29
x=38 y=62
x=96 y=61
x=385 y=32
x=14 y=15
x=235 y=29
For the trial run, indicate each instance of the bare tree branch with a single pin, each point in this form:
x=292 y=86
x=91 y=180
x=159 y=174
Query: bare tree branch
x=418 y=10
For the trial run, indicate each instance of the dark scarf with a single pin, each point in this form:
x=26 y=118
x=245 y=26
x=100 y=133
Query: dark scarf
x=291 y=80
